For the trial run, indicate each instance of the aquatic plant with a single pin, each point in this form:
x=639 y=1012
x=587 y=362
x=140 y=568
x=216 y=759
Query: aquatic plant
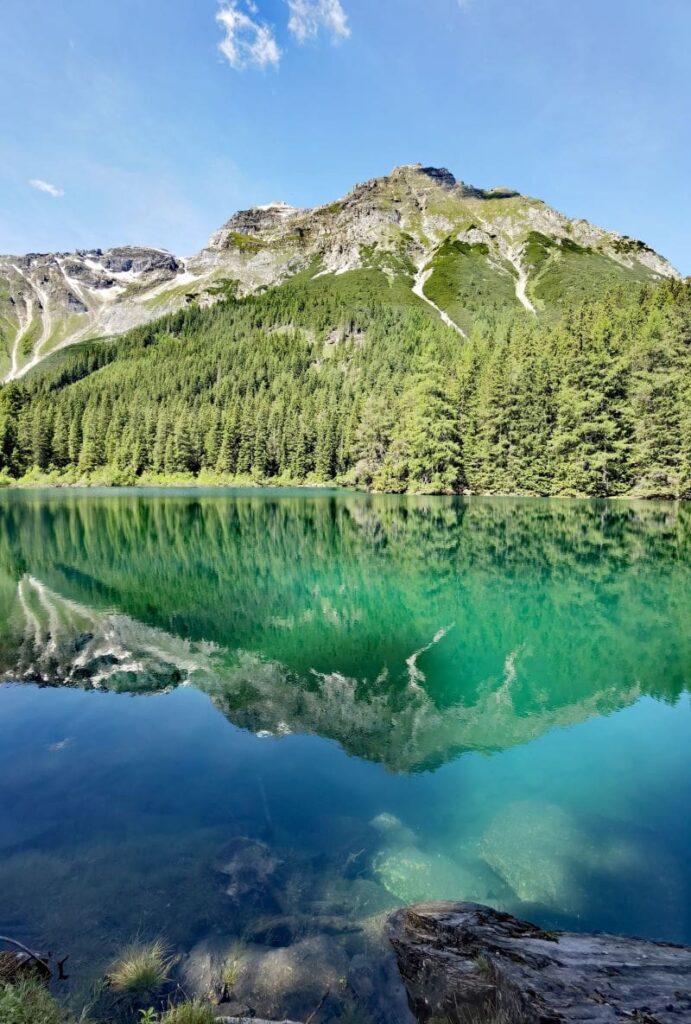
x=141 y=968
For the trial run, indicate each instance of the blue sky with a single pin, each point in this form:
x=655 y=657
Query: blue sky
x=156 y=136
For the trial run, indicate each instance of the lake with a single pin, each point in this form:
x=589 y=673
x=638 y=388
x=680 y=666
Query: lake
x=258 y=720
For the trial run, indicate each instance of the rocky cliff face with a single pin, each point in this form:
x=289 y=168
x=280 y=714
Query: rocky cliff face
x=51 y=300
x=461 y=250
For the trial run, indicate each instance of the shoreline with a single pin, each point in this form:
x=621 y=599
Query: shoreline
x=213 y=483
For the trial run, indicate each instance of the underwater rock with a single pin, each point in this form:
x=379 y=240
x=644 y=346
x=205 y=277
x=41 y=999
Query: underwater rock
x=533 y=847
x=355 y=902
x=410 y=875
x=386 y=822
x=249 y=871
x=462 y=961
x=284 y=929
x=291 y=980
x=548 y=859
x=375 y=986
x=390 y=826
x=201 y=971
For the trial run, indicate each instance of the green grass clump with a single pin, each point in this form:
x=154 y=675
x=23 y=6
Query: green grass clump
x=141 y=968
x=194 y=1012
x=231 y=970
x=245 y=243
x=29 y=1002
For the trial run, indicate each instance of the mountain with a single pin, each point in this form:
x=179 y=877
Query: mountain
x=466 y=252
x=418 y=336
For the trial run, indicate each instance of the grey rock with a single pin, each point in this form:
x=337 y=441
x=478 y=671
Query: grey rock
x=291 y=980
x=138 y=260
x=463 y=959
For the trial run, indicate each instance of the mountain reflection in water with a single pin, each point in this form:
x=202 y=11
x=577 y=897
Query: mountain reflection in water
x=360 y=702
x=409 y=630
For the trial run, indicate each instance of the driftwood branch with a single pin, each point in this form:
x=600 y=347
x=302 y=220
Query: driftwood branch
x=29 y=952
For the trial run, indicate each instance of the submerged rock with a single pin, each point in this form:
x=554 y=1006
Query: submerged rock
x=374 y=985
x=533 y=847
x=291 y=980
x=462 y=961
x=201 y=971
x=549 y=858
x=391 y=827
x=249 y=979
x=249 y=872
x=411 y=874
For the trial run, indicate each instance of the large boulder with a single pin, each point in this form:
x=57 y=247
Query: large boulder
x=462 y=961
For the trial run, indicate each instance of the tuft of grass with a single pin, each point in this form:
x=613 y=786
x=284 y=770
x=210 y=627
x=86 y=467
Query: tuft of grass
x=194 y=1012
x=231 y=970
x=484 y=964
x=29 y=1002
x=141 y=968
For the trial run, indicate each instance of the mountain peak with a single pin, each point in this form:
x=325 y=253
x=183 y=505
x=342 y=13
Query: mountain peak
x=457 y=248
x=441 y=175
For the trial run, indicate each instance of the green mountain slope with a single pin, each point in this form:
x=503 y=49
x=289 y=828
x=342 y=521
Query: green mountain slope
x=353 y=378
x=470 y=253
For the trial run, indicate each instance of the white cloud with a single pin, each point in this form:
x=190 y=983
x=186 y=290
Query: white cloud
x=308 y=17
x=248 y=42
x=45 y=186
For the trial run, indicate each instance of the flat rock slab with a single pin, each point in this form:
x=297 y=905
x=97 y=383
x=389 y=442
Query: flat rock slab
x=463 y=959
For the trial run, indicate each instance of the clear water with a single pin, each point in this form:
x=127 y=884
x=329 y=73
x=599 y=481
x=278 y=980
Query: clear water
x=382 y=699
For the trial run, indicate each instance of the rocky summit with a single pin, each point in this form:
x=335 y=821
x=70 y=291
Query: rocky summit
x=460 y=250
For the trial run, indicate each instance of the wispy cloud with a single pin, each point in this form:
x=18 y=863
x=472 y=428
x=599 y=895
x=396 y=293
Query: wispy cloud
x=45 y=186
x=308 y=17
x=248 y=41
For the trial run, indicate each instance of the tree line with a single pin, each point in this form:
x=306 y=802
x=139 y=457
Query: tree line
x=351 y=380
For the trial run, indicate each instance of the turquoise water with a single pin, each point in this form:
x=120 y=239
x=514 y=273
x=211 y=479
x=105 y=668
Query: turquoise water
x=377 y=699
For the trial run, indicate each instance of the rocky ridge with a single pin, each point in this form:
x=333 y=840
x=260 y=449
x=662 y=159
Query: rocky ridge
x=447 y=239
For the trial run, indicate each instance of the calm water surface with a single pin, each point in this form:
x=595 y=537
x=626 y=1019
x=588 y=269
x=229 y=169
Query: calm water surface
x=266 y=718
